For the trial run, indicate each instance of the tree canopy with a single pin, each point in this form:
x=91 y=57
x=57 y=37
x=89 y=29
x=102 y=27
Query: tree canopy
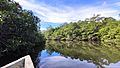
x=18 y=28
x=94 y=29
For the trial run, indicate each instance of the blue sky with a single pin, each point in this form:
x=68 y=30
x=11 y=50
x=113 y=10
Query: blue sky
x=56 y=12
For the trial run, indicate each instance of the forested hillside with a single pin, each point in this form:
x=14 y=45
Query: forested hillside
x=91 y=29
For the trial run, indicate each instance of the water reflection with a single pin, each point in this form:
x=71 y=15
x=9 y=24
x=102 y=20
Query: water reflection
x=54 y=60
x=113 y=65
x=89 y=54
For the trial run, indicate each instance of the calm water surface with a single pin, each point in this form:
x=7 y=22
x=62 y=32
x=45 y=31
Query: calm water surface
x=79 y=55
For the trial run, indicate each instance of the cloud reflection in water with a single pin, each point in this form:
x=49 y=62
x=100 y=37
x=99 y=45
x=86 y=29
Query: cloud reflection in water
x=56 y=61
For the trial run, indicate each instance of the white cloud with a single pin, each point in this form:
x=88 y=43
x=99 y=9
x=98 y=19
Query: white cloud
x=49 y=13
x=42 y=29
x=118 y=3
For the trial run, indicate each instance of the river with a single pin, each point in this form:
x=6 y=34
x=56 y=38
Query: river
x=77 y=54
x=74 y=54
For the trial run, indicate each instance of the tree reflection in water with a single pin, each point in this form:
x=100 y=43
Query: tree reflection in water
x=99 y=53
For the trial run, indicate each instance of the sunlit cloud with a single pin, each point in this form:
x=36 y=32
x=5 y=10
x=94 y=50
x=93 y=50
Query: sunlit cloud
x=54 y=14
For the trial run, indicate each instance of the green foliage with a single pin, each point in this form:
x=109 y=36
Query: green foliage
x=18 y=28
x=95 y=28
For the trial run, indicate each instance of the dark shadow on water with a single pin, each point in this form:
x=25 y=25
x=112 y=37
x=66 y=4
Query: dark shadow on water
x=12 y=56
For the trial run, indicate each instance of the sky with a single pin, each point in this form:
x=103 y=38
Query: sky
x=56 y=12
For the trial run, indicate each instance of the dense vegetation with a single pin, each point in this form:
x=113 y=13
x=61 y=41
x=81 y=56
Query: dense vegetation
x=99 y=53
x=93 y=29
x=19 y=32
